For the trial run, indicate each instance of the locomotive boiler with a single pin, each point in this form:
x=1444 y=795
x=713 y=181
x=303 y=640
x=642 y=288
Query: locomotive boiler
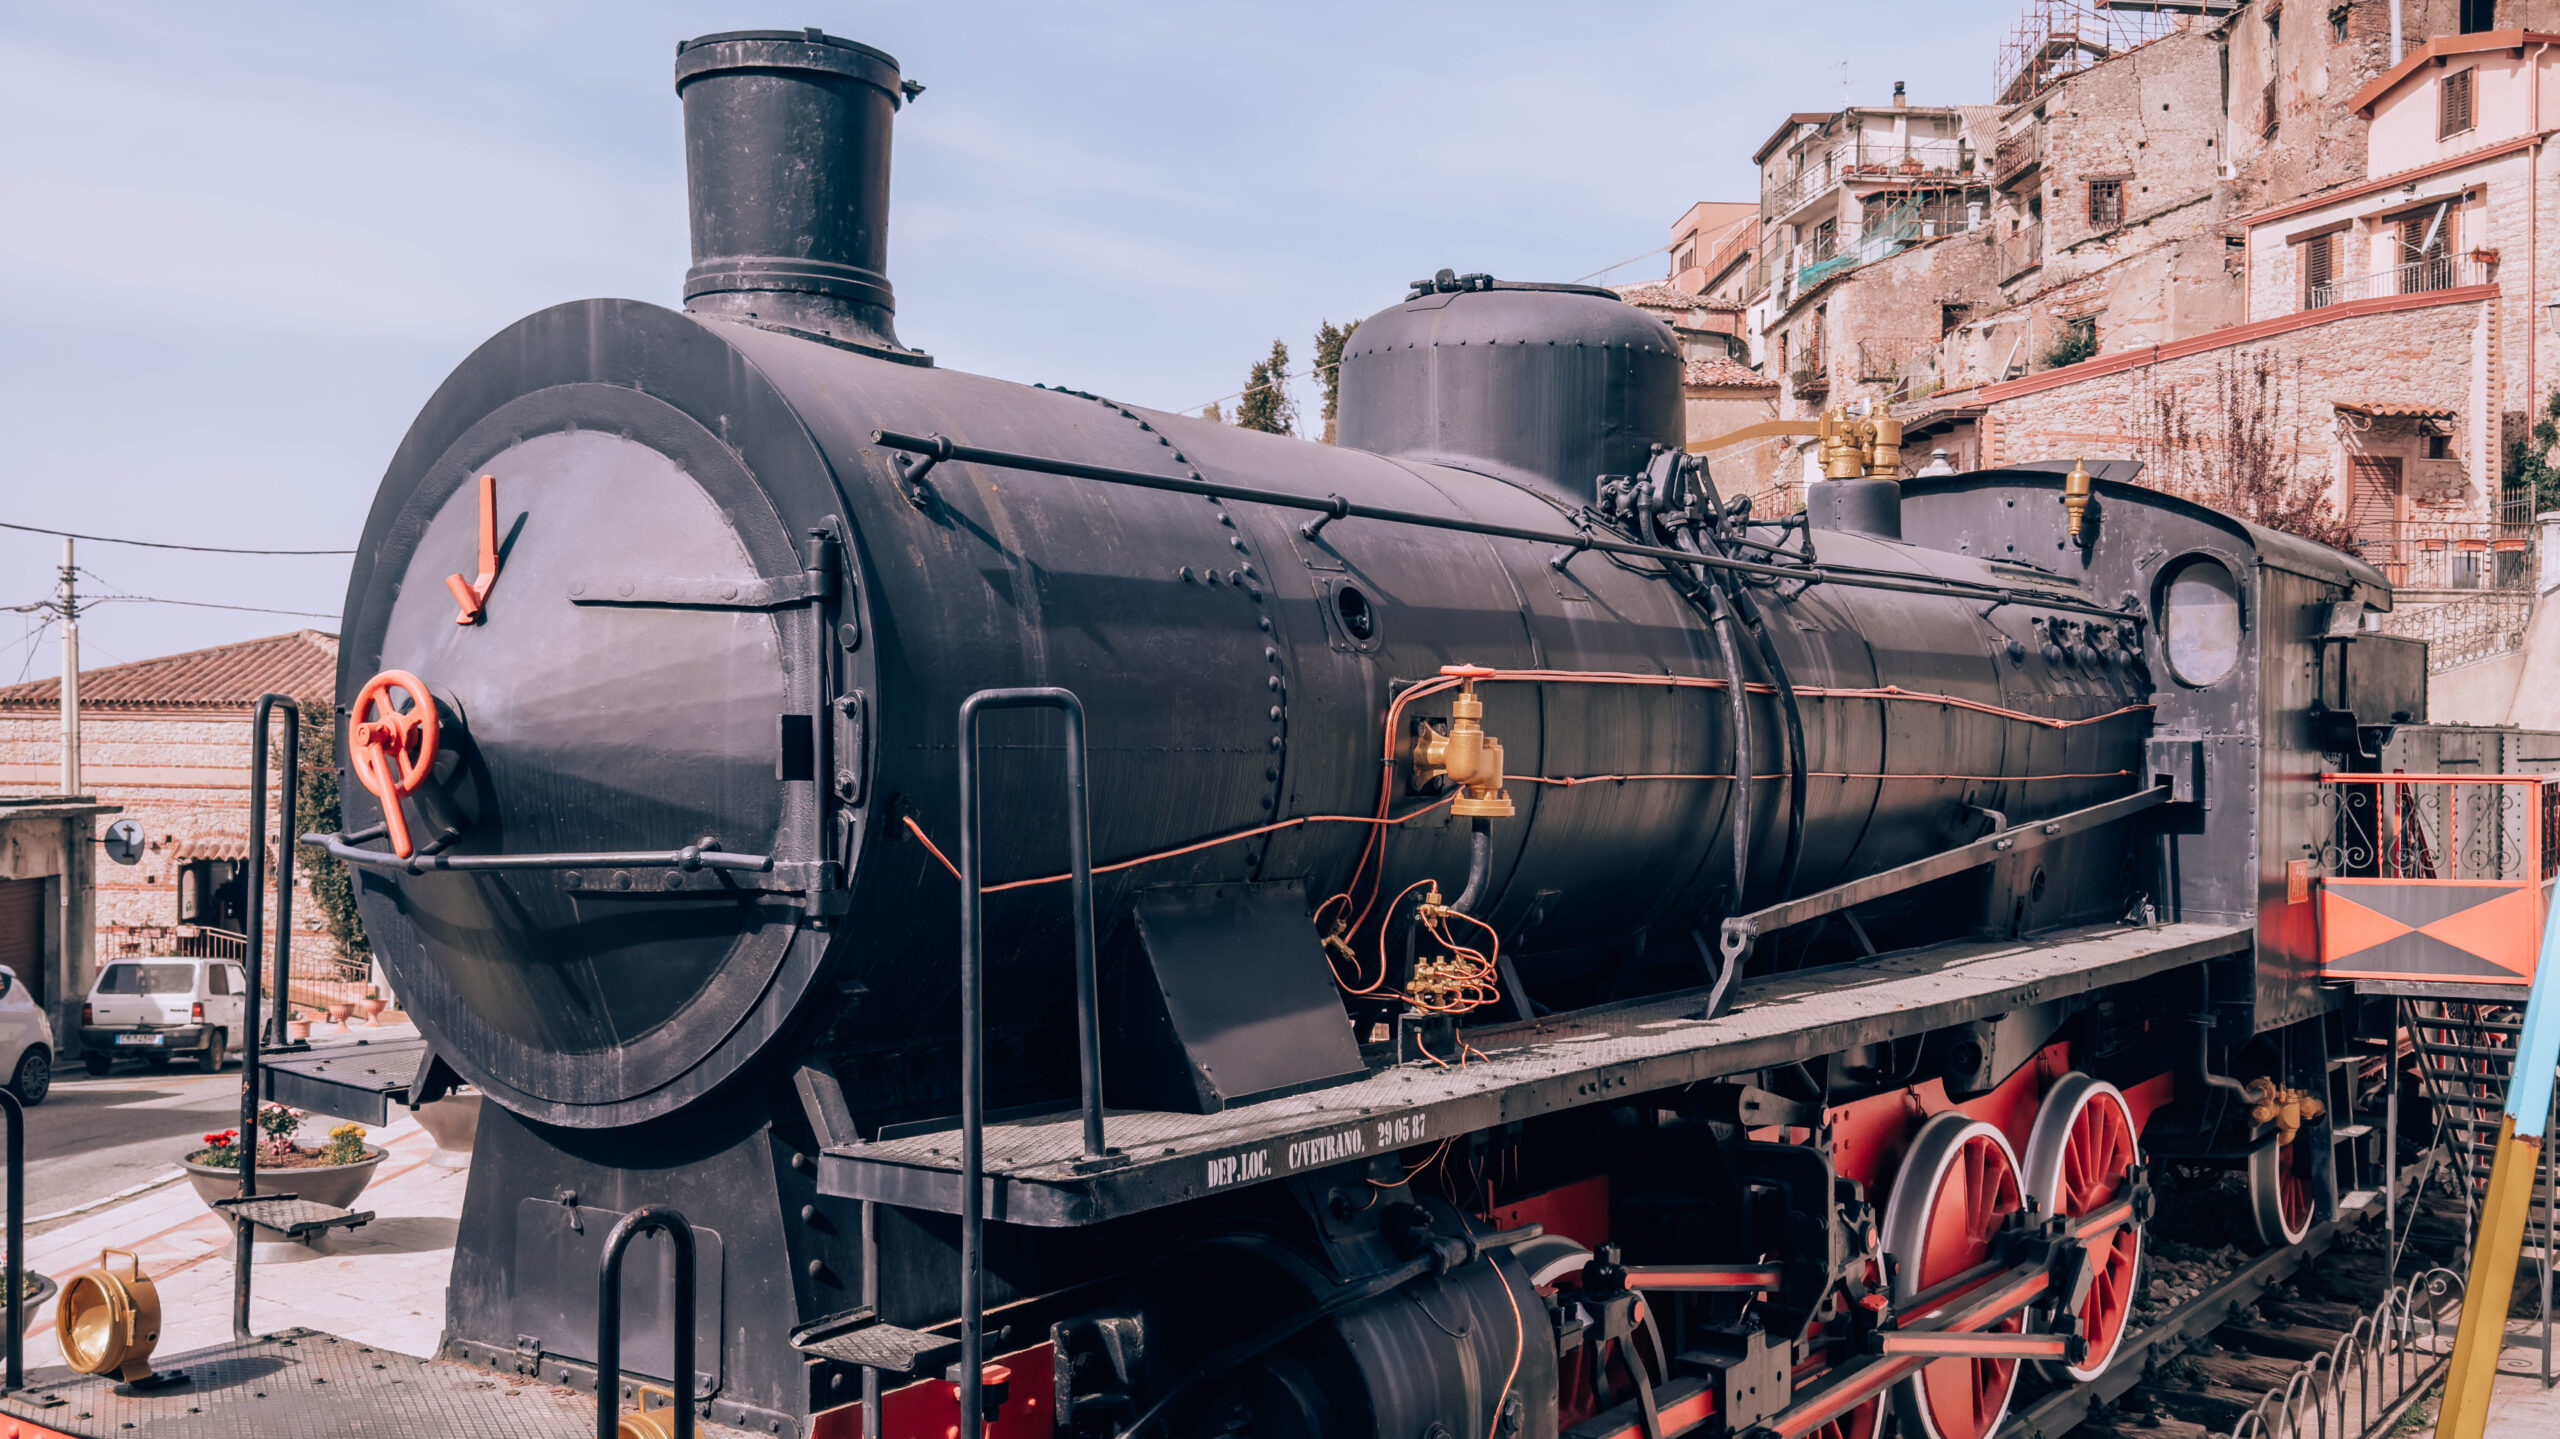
x=1491 y=718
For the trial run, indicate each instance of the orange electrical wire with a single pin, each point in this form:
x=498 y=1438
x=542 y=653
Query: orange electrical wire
x=1374 y=847
x=1116 y=866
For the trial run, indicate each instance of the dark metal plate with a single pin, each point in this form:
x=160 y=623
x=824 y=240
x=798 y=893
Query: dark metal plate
x=352 y=1081
x=305 y=1385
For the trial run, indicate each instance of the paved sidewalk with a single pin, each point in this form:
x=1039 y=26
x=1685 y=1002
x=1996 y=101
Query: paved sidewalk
x=382 y=1284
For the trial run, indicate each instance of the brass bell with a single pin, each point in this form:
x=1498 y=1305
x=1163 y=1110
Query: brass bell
x=108 y=1323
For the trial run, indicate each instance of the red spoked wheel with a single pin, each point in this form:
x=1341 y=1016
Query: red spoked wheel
x=392 y=749
x=2077 y=1155
x=2283 y=1180
x=1958 y=1187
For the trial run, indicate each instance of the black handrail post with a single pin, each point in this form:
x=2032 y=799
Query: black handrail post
x=609 y=1316
x=244 y=1242
x=973 y=1157
x=17 y=1268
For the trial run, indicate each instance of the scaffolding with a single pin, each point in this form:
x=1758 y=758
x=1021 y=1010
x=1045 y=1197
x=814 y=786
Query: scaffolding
x=2058 y=38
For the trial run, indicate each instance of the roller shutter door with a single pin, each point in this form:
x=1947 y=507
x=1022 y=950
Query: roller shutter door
x=22 y=932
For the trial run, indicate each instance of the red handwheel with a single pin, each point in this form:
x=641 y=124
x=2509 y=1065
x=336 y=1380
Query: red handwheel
x=392 y=749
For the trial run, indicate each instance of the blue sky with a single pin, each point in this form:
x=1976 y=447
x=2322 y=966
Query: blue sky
x=240 y=245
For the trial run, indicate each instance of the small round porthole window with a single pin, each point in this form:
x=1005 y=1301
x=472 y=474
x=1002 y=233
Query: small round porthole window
x=2200 y=620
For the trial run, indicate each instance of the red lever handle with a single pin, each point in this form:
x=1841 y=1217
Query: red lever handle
x=392 y=749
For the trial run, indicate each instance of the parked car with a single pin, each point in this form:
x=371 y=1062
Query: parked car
x=26 y=1041
x=159 y=1009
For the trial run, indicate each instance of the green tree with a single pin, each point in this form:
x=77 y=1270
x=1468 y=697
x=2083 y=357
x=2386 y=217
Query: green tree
x=1213 y=414
x=1330 y=338
x=316 y=811
x=1265 y=404
x=2529 y=468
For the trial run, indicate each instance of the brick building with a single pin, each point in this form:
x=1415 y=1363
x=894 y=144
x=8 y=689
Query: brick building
x=167 y=741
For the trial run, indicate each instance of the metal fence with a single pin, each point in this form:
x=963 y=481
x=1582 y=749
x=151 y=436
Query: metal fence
x=2363 y=1384
x=311 y=985
x=2451 y=554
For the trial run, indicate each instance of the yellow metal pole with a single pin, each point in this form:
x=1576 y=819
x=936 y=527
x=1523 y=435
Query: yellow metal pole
x=2494 y=1250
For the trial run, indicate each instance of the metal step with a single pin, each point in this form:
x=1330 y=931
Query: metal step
x=2351 y=1131
x=2468 y=1051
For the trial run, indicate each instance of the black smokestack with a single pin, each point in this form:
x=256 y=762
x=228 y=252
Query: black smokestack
x=786 y=148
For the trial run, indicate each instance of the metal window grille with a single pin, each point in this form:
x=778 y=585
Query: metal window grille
x=2106 y=204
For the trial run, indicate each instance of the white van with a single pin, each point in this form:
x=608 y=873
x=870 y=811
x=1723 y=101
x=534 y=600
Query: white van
x=158 y=1009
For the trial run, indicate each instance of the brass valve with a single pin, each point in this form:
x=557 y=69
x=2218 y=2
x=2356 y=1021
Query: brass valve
x=1465 y=756
x=2290 y=1109
x=1855 y=447
x=2077 y=494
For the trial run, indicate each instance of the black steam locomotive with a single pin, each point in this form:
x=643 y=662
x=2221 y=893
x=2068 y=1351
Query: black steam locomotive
x=1469 y=931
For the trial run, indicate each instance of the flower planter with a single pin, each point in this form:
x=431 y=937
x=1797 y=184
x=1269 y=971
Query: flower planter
x=333 y=1184
x=338 y=1012
x=372 y=1008
x=454 y=1123
x=297 y=1029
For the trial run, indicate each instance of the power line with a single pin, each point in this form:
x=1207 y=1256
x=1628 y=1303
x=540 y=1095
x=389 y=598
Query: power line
x=163 y=545
x=210 y=605
x=1622 y=264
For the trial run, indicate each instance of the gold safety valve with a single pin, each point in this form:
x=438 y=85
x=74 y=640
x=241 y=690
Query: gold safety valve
x=1859 y=446
x=1844 y=446
x=1884 y=448
x=2289 y=1109
x=1464 y=755
x=2077 y=492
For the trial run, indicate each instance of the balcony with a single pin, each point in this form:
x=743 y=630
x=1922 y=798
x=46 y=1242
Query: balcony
x=2417 y=277
x=2021 y=252
x=2017 y=154
x=2453 y=554
x=1873 y=163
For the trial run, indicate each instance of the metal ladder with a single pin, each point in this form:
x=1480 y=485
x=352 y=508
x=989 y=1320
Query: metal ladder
x=2466 y=1058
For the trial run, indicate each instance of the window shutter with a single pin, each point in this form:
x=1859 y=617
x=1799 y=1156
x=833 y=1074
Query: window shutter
x=2453 y=104
x=2318 y=270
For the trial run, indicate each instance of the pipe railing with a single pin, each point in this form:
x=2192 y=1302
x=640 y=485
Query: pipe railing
x=973 y=1158
x=243 y=1244
x=679 y=1234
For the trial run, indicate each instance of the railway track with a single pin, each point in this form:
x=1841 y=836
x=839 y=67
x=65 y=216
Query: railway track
x=2262 y=1350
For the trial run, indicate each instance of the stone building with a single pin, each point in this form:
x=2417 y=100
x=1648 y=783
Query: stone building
x=48 y=872
x=167 y=741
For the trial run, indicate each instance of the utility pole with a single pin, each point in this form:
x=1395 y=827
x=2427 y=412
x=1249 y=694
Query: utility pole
x=70 y=673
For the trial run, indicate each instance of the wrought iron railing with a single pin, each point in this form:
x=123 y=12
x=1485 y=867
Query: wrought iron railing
x=2363 y=1384
x=2468 y=630
x=2451 y=554
x=2469 y=828
x=2417 y=277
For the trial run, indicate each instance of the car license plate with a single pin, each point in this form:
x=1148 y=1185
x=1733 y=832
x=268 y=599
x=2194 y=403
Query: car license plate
x=138 y=1039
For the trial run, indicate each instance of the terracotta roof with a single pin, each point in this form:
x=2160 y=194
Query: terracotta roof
x=1658 y=296
x=304 y=662
x=2392 y=409
x=1720 y=373
x=2439 y=50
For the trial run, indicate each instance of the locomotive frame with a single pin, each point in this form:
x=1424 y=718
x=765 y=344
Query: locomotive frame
x=2049 y=735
